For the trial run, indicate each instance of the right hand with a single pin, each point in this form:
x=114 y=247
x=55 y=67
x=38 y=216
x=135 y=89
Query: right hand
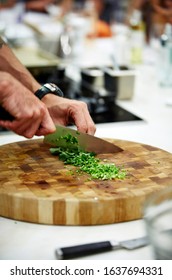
x=31 y=117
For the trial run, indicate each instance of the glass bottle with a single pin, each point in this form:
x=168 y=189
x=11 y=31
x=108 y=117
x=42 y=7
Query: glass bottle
x=136 y=37
x=165 y=64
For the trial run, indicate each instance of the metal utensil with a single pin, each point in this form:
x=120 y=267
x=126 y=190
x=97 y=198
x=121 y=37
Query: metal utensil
x=86 y=142
x=100 y=247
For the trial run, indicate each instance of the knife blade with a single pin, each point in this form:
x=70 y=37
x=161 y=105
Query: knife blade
x=86 y=142
x=77 y=251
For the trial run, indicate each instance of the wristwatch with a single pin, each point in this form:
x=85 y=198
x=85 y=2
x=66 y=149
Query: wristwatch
x=48 y=88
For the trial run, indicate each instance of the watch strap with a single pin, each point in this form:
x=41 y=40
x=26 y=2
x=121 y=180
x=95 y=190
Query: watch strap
x=48 y=88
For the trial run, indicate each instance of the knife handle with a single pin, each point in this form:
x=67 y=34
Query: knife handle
x=4 y=115
x=83 y=250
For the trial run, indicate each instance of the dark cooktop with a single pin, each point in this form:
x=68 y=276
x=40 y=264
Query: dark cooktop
x=118 y=114
x=102 y=108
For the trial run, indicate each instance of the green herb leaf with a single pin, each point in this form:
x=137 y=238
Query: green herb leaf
x=86 y=161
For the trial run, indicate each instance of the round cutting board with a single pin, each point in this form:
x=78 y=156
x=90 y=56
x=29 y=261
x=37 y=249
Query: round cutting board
x=36 y=187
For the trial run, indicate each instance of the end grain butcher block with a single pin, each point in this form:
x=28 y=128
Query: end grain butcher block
x=35 y=186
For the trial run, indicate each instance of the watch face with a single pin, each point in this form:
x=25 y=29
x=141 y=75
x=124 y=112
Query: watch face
x=51 y=87
x=48 y=88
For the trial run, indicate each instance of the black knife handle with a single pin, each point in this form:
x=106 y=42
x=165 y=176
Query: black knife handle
x=4 y=115
x=77 y=251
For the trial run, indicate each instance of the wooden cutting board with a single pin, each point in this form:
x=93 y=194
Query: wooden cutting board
x=36 y=187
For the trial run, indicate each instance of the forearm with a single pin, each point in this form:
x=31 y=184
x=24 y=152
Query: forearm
x=10 y=63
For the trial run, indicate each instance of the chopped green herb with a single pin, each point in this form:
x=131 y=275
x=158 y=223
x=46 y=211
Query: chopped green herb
x=86 y=161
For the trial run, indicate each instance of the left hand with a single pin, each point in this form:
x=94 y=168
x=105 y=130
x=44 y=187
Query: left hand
x=64 y=111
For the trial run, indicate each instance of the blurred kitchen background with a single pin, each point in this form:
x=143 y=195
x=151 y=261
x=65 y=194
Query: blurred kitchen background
x=93 y=49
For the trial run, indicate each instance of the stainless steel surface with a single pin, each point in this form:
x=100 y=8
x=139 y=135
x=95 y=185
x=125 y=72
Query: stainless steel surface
x=134 y=243
x=92 y=76
x=86 y=142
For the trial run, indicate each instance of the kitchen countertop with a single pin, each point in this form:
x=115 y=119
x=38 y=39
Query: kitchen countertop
x=21 y=240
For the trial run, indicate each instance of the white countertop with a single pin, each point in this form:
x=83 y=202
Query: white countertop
x=20 y=240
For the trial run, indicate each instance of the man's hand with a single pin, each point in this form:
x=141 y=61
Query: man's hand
x=31 y=116
x=64 y=111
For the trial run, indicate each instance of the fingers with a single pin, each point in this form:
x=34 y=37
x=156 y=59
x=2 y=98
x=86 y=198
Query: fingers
x=47 y=126
x=41 y=124
x=91 y=128
x=18 y=127
x=82 y=118
x=31 y=116
x=64 y=111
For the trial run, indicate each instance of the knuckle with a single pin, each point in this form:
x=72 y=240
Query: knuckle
x=43 y=109
x=83 y=104
x=79 y=106
x=4 y=85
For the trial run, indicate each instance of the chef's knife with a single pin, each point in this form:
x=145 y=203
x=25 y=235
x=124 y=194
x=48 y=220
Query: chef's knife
x=86 y=142
x=4 y=115
x=77 y=251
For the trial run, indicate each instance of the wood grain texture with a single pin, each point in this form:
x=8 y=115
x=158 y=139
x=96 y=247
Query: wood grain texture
x=36 y=187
